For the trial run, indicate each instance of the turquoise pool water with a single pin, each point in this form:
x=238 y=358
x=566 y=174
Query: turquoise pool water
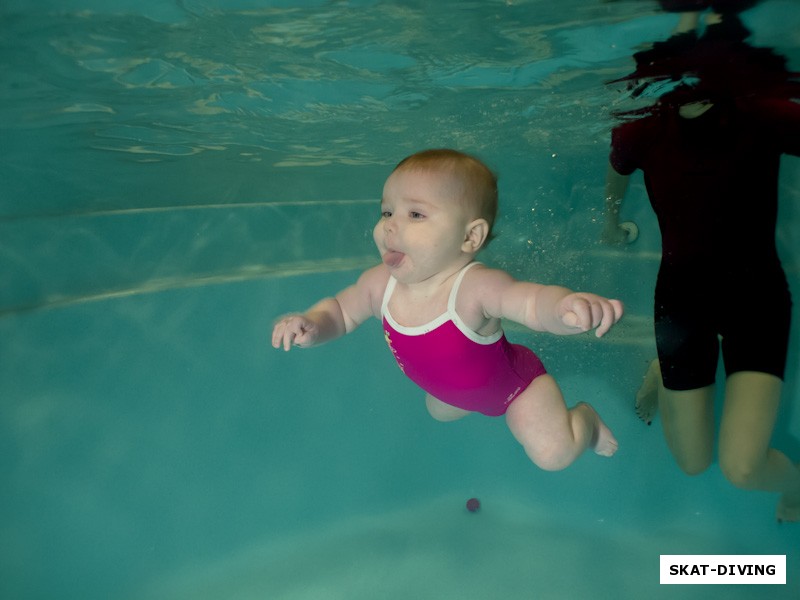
x=177 y=174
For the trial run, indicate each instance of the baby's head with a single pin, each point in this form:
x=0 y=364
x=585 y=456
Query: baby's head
x=475 y=185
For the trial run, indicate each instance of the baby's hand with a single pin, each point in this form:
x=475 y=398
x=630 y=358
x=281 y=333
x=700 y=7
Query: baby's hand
x=589 y=311
x=294 y=330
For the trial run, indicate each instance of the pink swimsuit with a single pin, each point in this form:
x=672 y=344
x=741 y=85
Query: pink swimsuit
x=456 y=365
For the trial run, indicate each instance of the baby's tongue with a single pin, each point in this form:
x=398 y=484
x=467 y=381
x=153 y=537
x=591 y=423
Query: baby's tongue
x=392 y=259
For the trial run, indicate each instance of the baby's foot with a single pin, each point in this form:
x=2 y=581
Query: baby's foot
x=603 y=443
x=606 y=444
x=647 y=397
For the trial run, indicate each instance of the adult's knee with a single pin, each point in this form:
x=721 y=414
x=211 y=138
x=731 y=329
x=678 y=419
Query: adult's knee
x=741 y=473
x=694 y=465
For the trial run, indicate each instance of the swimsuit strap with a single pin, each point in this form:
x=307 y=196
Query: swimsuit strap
x=449 y=315
x=451 y=301
x=387 y=293
x=459 y=322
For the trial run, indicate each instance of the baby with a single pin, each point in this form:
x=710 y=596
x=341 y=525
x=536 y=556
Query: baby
x=441 y=311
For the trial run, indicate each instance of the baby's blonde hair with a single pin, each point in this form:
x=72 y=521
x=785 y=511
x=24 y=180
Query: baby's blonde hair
x=479 y=181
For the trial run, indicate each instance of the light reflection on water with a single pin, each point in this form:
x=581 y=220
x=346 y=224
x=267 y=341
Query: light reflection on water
x=176 y=175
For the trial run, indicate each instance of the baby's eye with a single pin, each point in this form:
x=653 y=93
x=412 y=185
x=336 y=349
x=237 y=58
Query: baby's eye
x=416 y=215
x=386 y=214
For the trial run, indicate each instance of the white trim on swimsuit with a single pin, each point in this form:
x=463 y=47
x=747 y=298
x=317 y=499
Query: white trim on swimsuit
x=449 y=315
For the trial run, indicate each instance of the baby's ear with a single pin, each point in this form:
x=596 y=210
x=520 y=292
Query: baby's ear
x=477 y=232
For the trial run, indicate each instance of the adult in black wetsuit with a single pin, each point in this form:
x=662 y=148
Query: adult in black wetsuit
x=710 y=155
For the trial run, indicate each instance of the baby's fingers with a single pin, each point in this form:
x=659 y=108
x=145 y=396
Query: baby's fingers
x=612 y=312
x=288 y=339
x=277 y=335
x=581 y=315
x=285 y=332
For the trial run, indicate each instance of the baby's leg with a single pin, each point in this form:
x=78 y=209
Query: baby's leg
x=552 y=435
x=442 y=411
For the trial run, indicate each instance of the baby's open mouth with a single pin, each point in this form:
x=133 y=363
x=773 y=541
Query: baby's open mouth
x=392 y=258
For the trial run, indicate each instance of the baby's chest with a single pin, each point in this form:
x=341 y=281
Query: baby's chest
x=413 y=314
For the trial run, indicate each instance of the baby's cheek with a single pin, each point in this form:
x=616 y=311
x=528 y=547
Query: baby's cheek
x=377 y=234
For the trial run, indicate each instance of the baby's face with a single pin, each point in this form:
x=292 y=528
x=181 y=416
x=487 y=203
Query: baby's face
x=423 y=225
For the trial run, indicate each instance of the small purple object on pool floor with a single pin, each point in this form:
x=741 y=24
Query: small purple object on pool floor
x=473 y=504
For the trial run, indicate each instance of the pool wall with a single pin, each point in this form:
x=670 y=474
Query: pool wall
x=162 y=206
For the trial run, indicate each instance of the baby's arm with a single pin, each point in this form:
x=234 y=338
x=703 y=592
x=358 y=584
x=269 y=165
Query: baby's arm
x=331 y=318
x=322 y=322
x=545 y=307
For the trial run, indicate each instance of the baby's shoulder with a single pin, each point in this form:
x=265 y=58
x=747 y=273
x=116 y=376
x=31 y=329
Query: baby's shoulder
x=372 y=284
x=480 y=277
x=377 y=275
x=482 y=288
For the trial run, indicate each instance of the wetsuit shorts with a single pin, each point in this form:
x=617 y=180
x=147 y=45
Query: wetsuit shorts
x=693 y=313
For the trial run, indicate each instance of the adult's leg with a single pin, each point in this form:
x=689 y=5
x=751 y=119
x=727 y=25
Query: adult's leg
x=688 y=351
x=687 y=418
x=748 y=419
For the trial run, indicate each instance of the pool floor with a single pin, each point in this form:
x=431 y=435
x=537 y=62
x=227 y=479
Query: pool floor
x=155 y=447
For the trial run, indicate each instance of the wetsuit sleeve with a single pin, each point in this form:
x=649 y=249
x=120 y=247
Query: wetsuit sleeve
x=624 y=148
x=781 y=117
